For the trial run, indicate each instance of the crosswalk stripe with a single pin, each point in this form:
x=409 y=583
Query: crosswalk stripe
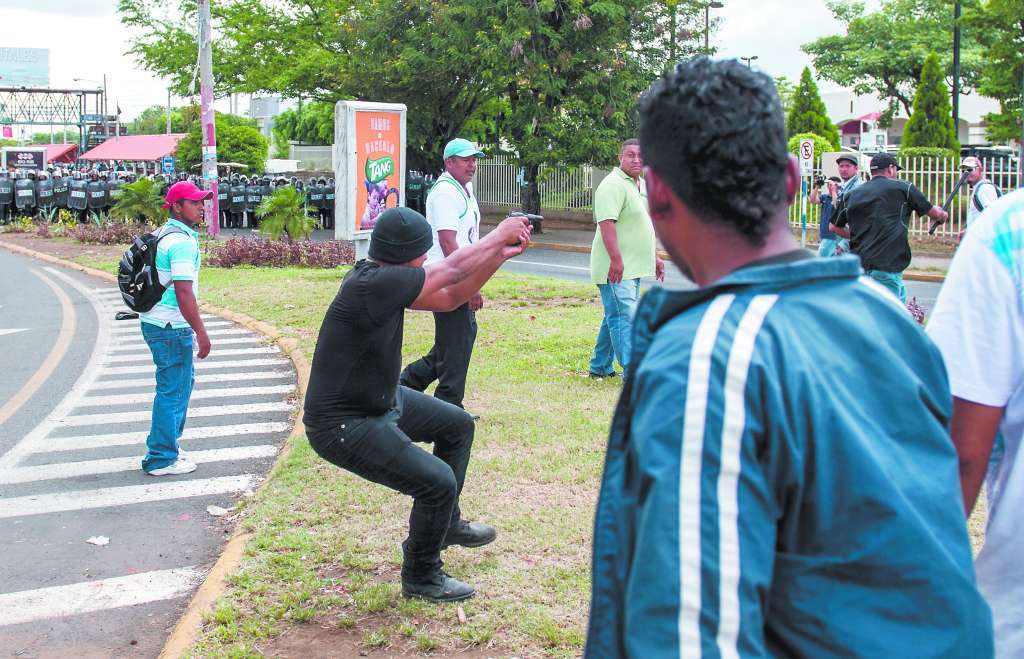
x=141 y=346
x=230 y=352
x=128 y=340
x=38 y=504
x=229 y=392
x=114 y=465
x=84 y=442
x=201 y=378
x=100 y=595
x=200 y=365
x=135 y=329
x=193 y=413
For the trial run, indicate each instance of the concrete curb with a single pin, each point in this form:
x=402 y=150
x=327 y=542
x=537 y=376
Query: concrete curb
x=187 y=628
x=583 y=249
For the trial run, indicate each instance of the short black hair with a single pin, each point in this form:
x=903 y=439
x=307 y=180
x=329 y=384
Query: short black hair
x=715 y=132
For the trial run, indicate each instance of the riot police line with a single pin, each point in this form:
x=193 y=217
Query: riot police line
x=90 y=194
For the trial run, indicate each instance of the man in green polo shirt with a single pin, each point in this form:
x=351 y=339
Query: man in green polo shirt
x=622 y=253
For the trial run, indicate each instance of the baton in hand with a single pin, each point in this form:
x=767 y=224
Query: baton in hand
x=949 y=200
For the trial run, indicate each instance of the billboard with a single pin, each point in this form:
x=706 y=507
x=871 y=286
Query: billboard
x=24 y=67
x=369 y=165
x=28 y=158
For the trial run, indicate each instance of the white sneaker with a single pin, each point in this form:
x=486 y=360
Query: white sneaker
x=184 y=455
x=179 y=466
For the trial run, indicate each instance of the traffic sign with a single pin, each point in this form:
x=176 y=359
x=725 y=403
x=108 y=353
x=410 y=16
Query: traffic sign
x=167 y=164
x=806 y=157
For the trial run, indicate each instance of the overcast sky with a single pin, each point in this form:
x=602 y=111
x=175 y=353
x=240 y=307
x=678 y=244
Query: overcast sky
x=86 y=40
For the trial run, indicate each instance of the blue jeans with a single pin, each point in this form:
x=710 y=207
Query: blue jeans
x=613 y=339
x=175 y=375
x=891 y=280
x=830 y=246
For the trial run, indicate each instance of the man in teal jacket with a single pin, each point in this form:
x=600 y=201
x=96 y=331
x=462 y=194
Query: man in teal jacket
x=764 y=494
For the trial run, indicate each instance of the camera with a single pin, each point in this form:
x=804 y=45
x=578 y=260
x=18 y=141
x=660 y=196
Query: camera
x=819 y=181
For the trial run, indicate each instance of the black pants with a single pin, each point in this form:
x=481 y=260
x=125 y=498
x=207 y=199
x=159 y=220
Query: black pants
x=448 y=360
x=380 y=449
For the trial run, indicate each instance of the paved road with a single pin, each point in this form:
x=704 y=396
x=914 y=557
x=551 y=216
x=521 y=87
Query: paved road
x=575 y=266
x=69 y=467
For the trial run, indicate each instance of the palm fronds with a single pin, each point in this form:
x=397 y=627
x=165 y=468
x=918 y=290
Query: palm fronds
x=283 y=213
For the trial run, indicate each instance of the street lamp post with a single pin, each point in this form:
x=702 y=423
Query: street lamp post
x=748 y=60
x=103 y=110
x=707 y=21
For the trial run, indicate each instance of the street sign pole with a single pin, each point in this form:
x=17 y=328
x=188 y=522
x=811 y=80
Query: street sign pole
x=806 y=171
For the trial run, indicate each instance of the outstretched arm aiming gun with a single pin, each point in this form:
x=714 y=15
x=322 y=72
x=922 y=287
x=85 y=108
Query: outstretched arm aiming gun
x=945 y=206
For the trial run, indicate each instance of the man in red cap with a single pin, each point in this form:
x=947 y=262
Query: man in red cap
x=169 y=326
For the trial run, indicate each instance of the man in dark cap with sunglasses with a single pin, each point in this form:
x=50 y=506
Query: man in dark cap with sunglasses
x=359 y=418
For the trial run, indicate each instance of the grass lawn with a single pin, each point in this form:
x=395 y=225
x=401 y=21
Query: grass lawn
x=324 y=559
x=320 y=574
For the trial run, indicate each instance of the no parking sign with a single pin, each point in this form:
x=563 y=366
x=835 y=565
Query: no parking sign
x=806 y=157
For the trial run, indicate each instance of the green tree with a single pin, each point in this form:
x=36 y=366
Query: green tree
x=143 y=198
x=572 y=73
x=786 y=89
x=807 y=113
x=1000 y=25
x=283 y=214
x=68 y=136
x=153 y=120
x=238 y=140
x=931 y=123
x=883 y=52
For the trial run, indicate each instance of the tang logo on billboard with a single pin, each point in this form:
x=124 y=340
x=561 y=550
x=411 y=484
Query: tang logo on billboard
x=378 y=137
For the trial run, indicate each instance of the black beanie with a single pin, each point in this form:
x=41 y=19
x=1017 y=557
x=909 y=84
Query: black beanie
x=400 y=235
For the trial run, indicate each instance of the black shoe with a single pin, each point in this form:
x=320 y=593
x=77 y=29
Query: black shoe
x=601 y=376
x=440 y=588
x=470 y=534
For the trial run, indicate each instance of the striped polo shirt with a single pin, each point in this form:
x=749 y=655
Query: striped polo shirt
x=177 y=259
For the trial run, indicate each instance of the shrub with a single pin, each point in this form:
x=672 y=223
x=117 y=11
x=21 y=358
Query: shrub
x=273 y=253
x=112 y=233
x=43 y=230
x=926 y=152
x=821 y=145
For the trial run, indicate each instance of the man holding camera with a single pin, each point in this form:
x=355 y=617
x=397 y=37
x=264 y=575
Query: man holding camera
x=836 y=242
x=622 y=253
x=454 y=217
x=359 y=418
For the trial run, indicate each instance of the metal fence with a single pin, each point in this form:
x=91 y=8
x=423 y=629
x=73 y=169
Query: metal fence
x=498 y=182
x=936 y=178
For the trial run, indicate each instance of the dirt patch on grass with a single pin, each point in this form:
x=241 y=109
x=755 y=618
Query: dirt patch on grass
x=326 y=640
x=65 y=249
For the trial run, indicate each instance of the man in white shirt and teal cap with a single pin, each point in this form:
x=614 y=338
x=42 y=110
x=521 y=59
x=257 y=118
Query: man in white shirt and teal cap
x=454 y=217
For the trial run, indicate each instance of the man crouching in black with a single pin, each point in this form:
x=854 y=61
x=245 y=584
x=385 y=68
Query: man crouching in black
x=359 y=418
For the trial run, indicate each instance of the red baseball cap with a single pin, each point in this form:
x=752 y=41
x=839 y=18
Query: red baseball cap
x=185 y=190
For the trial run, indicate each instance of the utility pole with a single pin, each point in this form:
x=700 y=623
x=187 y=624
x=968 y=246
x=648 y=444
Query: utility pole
x=168 y=111
x=209 y=129
x=1020 y=154
x=956 y=69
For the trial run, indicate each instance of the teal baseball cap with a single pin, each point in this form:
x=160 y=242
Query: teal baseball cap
x=461 y=147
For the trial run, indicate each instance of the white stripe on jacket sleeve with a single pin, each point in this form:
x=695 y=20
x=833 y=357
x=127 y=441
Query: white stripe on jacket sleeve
x=692 y=448
x=733 y=428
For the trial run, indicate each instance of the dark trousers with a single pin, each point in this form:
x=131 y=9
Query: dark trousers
x=380 y=449
x=448 y=360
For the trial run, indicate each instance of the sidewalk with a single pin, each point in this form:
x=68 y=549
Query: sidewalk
x=566 y=236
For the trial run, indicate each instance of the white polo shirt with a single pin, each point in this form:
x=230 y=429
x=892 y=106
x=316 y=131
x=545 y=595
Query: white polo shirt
x=450 y=207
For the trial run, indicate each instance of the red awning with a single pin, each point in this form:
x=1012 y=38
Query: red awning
x=135 y=147
x=59 y=153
